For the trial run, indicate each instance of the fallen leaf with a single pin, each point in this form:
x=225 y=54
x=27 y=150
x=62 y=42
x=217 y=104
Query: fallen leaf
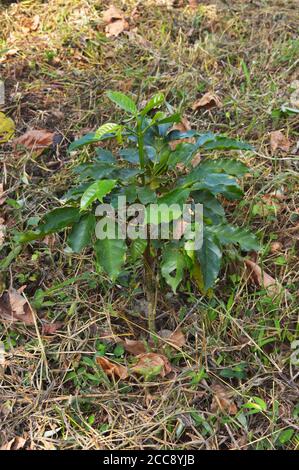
x=35 y=140
x=222 y=401
x=112 y=14
x=14 y=307
x=14 y=444
x=116 y=22
x=51 y=328
x=279 y=141
x=182 y=126
x=207 y=101
x=152 y=364
x=112 y=369
x=116 y=28
x=275 y=247
x=30 y=24
x=262 y=279
x=135 y=347
x=175 y=338
x=7 y=128
x=193 y=3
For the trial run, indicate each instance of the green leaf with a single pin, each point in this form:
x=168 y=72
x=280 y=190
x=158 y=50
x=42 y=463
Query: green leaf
x=224 y=143
x=146 y=195
x=182 y=153
x=176 y=196
x=110 y=255
x=209 y=257
x=212 y=209
x=97 y=190
x=137 y=248
x=100 y=134
x=58 y=219
x=219 y=183
x=174 y=118
x=229 y=234
x=123 y=101
x=131 y=155
x=172 y=267
x=94 y=171
x=230 y=166
x=154 y=102
x=81 y=233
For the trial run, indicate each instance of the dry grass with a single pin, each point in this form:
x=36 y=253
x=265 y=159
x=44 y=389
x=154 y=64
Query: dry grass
x=56 y=78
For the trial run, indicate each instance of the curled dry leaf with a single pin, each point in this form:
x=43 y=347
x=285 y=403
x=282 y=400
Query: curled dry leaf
x=14 y=307
x=152 y=364
x=115 y=21
x=207 y=101
x=182 y=126
x=276 y=247
x=175 y=338
x=262 y=279
x=135 y=347
x=51 y=328
x=35 y=140
x=222 y=401
x=112 y=369
x=279 y=141
x=14 y=444
x=112 y=14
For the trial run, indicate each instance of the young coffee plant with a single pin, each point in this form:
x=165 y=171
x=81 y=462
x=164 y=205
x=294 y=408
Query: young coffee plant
x=153 y=165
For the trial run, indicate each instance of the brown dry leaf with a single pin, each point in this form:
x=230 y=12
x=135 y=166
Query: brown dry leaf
x=175 y=338
x=193 y=3
x=114 y=370
x=152 y=364
x=222 y=401
x=2 y=197
x=30 y=24
x=116 y=28
x=14 y=307
x=262 y=279
x=279 y=141
x=51 y=328
x=207 y=101
x=35 y=140
x=14 y=444
x=275 y=247
x=182 y=126
x=112 y=14
x=135 y=347
x=116 y=22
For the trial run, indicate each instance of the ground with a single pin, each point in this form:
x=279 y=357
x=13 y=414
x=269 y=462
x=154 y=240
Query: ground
x=233 y=384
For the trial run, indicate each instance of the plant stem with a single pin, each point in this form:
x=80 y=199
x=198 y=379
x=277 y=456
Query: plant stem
x=150 y=286
x=140 y=146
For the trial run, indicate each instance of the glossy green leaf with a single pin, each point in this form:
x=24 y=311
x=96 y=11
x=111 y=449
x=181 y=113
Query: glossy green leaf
x=230 y=166
x=146 y=195
x=224 y=143
x=94 y=137
x=96 y=191
x=154 y=102
x=172 y=267
x=209 y=257
x=123 y=101
x=229 y=234
x=58 y=219
x=81 y=233
x=94 y=171
x=137 y=248
x=219 y=183
x=212 y=209
x=110 y=255
x=131 y=155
